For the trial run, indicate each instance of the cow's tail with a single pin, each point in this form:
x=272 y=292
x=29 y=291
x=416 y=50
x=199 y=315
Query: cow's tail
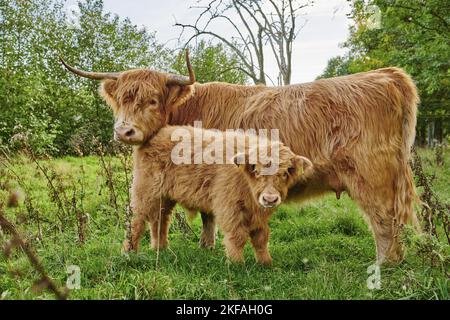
x=405 y=198
x=191 y=213
x=405 y=191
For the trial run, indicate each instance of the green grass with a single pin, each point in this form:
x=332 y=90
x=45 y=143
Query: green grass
x=321 y=251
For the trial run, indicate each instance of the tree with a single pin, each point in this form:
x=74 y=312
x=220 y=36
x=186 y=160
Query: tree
x=212 y=63
x=336 y=66
x=107 y=43
x=253 y=24
x=40 y=100
x=412 y=34
x=25 y=30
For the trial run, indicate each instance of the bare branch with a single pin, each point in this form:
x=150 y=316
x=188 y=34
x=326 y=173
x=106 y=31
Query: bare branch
x=232 y=46
x=257 y=26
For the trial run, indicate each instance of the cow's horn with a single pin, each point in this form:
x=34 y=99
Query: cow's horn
x=91 y=75
x=175 y=79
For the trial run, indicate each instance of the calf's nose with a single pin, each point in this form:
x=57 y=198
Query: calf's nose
x=270 y=198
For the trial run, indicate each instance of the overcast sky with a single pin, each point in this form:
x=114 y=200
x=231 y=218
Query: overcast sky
x=325 y=29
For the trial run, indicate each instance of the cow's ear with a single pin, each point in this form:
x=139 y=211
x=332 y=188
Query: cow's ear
x=176 y=96
x=300 y=166
x=107 y=91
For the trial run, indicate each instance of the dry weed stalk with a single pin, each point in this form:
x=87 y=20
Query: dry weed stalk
x=107 y=172
x=32 y=212
x=70 y=207
x=66 y=193
x=434 y=212
x=17 y=241
x=439 y=154
x=78 y=207
x=125 y=162
x=182 y=224
x=55 y=186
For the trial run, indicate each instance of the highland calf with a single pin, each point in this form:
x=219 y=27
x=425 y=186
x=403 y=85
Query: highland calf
x=239 y=195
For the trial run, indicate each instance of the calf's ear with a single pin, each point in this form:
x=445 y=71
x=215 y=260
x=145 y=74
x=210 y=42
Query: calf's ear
x=241 y=160
x=300 y=166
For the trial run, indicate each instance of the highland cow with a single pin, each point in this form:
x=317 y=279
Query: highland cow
x=357 y=130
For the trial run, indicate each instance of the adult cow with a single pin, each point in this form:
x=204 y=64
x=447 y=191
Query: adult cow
x=357 y=130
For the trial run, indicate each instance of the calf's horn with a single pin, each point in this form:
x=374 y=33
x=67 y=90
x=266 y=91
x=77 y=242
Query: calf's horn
x=91 y=75
x=175 y=79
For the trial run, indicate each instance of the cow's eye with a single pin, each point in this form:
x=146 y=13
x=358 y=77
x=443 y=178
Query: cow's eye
x=127 y=100
x=153 y=102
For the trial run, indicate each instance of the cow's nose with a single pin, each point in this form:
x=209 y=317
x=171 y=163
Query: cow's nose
x=129 y=133
x=270 y=198
x=125 y=132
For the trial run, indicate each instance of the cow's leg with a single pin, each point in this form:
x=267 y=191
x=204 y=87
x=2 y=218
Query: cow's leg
x=389 y=247
x=208 y=236
x=378 y=205
x=260 y=240
x=159 y=221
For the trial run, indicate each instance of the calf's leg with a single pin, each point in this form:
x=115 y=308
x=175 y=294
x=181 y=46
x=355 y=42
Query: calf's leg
x=208 y=236
x=159 y=221
x=137 y=230
x=260 y=240
x=157 y=213
x=141 y=204
x=234 y=242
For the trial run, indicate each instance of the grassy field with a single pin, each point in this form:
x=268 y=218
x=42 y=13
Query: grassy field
x=321 y=250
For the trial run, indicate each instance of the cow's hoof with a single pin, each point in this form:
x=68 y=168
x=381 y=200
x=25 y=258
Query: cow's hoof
x=160 y=246
x=207 y=243
x=267 y=262
x=127 y=249
x=126 y=246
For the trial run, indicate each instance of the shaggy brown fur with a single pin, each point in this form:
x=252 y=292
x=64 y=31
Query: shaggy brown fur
x=357 y=130
x=231 y=192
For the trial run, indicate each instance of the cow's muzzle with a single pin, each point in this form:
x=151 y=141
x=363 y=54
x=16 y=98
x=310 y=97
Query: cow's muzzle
x=128 y=134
